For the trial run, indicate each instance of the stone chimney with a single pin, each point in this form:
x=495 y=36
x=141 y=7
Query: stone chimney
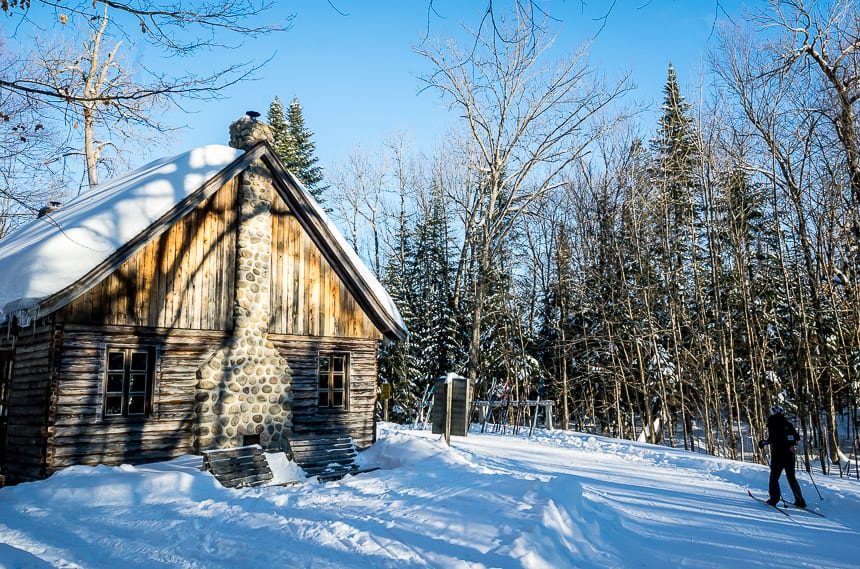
x=244 y=389
x=248 y=131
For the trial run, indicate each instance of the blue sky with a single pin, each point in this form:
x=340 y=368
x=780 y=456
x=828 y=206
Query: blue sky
x=351 y=63
x=353 y=67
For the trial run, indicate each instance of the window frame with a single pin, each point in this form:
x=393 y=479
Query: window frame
x=331 y=390
x=127 y=375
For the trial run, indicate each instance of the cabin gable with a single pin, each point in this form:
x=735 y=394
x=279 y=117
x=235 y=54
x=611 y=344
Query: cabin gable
x=183 y=278
x=308 y=296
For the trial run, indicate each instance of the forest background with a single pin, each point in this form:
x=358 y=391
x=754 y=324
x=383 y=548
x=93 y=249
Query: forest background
x=667 y=282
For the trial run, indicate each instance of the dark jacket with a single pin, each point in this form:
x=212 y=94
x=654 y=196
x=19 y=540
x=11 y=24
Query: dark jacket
x=781 y=434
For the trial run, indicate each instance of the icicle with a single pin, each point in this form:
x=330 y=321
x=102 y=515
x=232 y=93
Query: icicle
x=24 y=317
x=22 y=311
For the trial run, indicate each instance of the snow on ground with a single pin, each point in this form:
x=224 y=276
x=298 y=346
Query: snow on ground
x=556 y=500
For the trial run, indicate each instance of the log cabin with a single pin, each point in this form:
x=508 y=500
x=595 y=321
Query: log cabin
x=201 y=301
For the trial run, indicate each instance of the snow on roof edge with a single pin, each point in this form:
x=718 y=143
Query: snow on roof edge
x=375 y=287
x=51 y=253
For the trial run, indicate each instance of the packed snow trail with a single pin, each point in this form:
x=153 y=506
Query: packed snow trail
x=558 y=499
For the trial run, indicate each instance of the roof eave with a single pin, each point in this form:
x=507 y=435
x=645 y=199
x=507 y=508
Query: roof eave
x=305 y=212
x=58 y=300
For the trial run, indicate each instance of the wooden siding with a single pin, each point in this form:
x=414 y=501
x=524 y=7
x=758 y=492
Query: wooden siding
x=29 y=398
x=176 y=295
x=77 y=431
x=302 y=354
x=182 y=279
x=308 y=298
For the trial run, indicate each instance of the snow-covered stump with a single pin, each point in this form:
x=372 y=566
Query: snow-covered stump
x=244 y=389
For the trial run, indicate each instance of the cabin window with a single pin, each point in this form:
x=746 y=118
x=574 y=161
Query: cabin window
x=333 y=381
x=128 y=385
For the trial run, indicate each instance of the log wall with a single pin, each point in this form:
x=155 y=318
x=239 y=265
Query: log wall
x=54 y=428
x=77 y=432
x=32 y=375
x=302 y=355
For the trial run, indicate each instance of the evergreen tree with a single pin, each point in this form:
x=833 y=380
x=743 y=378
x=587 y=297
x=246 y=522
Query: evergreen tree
x=283 y=145
x=302 y=162
x=422 y=288
x=677 y=355
x=429 y=276
x=293 y=145
x=397 y=364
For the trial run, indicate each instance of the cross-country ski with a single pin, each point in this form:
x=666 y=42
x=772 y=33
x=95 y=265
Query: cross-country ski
x=766 y=503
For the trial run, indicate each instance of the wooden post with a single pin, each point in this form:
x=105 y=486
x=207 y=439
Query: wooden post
x=448 y=392
x=385 y=395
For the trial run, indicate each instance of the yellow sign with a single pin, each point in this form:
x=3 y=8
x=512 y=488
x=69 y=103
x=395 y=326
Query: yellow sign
x=385 y=391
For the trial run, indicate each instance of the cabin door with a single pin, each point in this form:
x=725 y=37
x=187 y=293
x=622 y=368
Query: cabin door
x=5 y=388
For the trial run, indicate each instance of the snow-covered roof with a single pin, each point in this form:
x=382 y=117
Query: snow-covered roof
x=53 y=253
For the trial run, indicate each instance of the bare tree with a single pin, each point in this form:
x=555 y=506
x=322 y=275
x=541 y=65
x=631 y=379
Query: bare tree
x=823 y=41
x=178 y=27
x=795 y=83
x=82 y=86
x=526 y=123
x=24 y=143
x=358 y=189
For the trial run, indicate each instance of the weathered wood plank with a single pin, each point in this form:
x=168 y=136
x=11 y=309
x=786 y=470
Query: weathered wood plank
x=166 y=283
x=238 y=467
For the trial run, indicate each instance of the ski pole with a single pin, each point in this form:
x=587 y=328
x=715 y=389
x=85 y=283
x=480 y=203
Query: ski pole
x=808 y=468
x=814 y=485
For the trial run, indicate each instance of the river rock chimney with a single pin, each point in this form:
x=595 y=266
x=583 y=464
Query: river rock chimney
x=244 y=389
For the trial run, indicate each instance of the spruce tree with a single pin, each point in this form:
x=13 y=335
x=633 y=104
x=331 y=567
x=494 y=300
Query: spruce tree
x=675 y=156
x=293 y=145
x=302 y=162
x=397 y=365
x=429 y=277
x=280 y=130
x=676 y=355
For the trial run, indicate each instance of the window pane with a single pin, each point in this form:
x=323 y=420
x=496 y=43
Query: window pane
x=337 y=361
x=116 y=361
x=337 y=381
x=137 y=383
x=114 y=383
x=113 y=405
x=323 y=364
x=127 y=382
x=323 y=399
x=138 y=361
x=337 y=399
x=323 y=384
x=136 y=405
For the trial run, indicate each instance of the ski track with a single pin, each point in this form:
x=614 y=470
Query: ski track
x=488 y=501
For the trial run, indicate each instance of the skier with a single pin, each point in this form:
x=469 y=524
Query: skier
x=782 y=438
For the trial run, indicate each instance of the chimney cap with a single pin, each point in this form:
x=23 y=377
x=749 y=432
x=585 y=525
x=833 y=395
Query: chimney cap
x=247 y=131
